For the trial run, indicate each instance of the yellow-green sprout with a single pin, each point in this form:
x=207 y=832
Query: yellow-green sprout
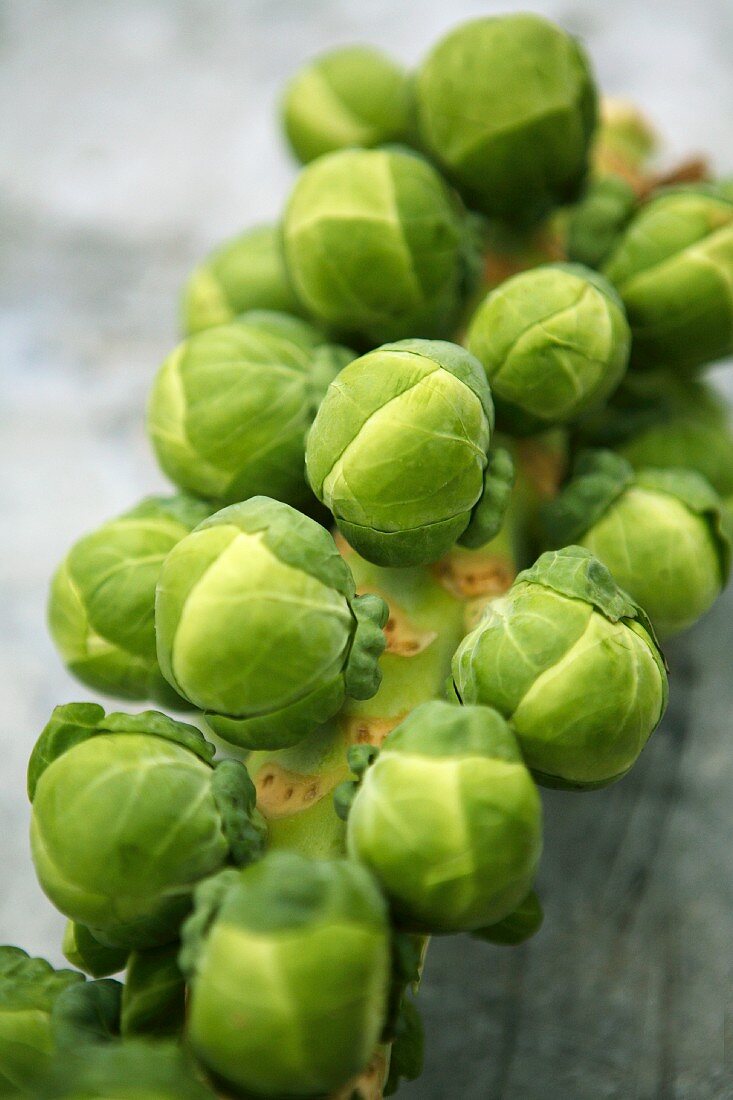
x=230 y=407
x=288 y=967
x=507 y=105
x=378 y=247
x=553 y=342
x=128 y=814
x=657 y=530
x=399 y=451
x=258 y=624
x=448 y=819
x=351 y=96
x=572 y=662
x=102 y=601
x=247 y=272
x=673 y=268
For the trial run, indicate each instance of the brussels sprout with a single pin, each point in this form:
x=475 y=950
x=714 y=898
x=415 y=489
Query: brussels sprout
x=573 y=662
x=86 y=953
x=595 y=224
x=378 y=247
x=288 y=965
x=102 y=601
x=128 y=814
x=352 y=96
x=673 y=268
x=657 y=419
x=133 y=1070
x=229 y=409
x=399 y=453
x=259 y=625
x=553 y=341
x=658 y=531
x=154 y=994
x=448 y=819
x=674 y=424
x=507 y=105
x=247 y=272
x=29 y=989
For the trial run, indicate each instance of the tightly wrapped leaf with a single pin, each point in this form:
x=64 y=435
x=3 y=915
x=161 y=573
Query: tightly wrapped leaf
x=288 y=969
x=553 y=341
x=246 y=273
x=448 y=819
x=128 y=814
x=354 y=96
x=657 y=530
x=572 y=662
x=673 y=268
x=399 y=451
x=258 y=624
x=507 y=105
x=101 y=607
x=378 y=247
x=229 y=409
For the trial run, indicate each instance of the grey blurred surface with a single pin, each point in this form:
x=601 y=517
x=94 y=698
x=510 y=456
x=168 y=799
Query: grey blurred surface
x=134 y=137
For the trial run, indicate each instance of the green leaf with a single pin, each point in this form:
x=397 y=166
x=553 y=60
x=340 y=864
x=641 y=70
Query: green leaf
x=154 y=994
x=87 y=1013
x=84 y=951
x=242 y=824
x=599 y=478
x=408 y=1047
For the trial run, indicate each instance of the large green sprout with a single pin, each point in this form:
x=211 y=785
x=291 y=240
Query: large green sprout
x=553 y=342
x=673 y=268
x=448 y=819
x=657 y=530
x=128 y=815
x=378 y=247
x=288 y=964
x=230 y=408
x=258 y=624
x=353 y=96
x=572 y=662
x=508 y=107
x=102 y=600
x=399 y=452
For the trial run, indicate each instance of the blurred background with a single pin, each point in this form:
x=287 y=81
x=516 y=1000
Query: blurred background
x=135 y=136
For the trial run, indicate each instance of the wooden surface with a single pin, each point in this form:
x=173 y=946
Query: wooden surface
x=135 y=136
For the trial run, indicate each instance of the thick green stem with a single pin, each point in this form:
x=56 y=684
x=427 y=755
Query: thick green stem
x=431 y=609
